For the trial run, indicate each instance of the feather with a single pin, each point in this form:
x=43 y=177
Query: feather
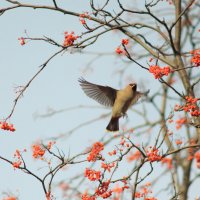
x=104 y=95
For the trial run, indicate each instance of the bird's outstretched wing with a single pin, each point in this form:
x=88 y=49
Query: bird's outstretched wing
x=102 y=94
x=139 y=95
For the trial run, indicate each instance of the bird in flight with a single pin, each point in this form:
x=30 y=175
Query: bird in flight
x=119 y=100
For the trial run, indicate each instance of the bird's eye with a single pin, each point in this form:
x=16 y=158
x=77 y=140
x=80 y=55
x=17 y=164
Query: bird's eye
x=131 y=84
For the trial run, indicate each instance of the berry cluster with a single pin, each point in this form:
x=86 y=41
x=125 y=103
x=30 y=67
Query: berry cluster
x=196 y=57
x=87 y=197
x=179 y=142
x=114 y=152
x=18 y=159
x=159 y=72
x=38 y=151
x=69 y=39
x=50 y=144
x=125 y=41
x=180 y=122
x=22 y=41
x=95 y=152
x=92 y=175
x=103 y=191
x=6 y=126
x=145 y=192
x=118 y=50
x=118 y=190
x=107 y=167
x=190 y=106
x=153 y=155
x=83 y=16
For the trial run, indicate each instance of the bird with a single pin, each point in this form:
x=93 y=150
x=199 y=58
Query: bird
x=119 y=100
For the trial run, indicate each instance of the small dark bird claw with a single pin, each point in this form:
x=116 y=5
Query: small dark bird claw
x=124 y=115
x=147 y=92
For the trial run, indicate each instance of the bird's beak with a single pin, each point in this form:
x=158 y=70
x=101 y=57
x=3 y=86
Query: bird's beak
x=134 y=87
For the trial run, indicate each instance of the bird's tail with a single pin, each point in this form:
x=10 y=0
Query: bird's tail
x=113 y=124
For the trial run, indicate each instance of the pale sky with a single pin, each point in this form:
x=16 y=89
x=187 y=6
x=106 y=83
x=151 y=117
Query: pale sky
x=56 y=87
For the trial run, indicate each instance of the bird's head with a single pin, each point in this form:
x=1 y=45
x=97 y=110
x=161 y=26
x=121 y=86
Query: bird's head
x=133 y=86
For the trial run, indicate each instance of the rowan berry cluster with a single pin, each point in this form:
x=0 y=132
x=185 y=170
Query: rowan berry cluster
x=179 y=141
x=124 y=142
x=118 y=50
x=112 y=153
x=191 y=100
x=22 y=41
x=18 y=159
x=159 y=72
x=125 y=41
x=92 y=175
x=145 y=192
x=50 y=144
x=84 y=16
x=17 y=164
x=38 y=151
x=6 y=126
x=180 y=122
x=196 y=57
x=118 y=190
x=103 y=190
x=87 y=197
x=95 y=151
x=107 y=167
x=69 y=39
x=190 y=106
x=153 y=154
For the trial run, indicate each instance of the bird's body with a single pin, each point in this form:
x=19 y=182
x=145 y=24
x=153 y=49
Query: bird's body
x=119 y=100
x=123 y=101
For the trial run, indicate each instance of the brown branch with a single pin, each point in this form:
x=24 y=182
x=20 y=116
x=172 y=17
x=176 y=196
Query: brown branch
x=21 y=92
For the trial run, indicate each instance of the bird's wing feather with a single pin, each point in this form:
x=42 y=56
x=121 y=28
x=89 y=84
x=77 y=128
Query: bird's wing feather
x=138 y=96
x=102 y=94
